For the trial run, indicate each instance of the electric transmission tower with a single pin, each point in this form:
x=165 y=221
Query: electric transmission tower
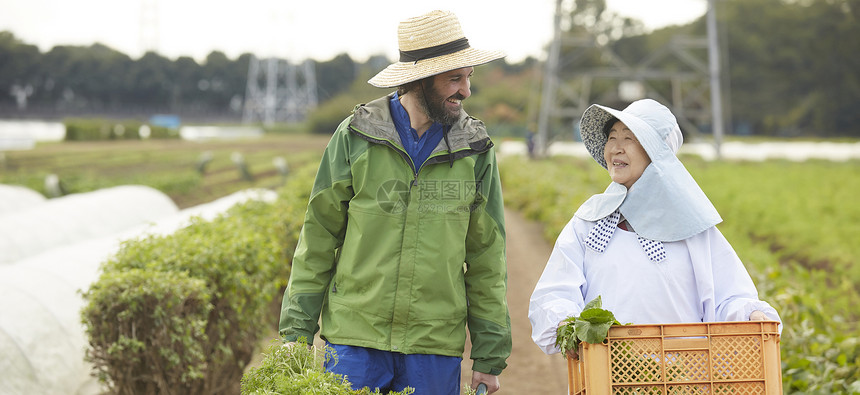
x=693 y=85
x=278 y=91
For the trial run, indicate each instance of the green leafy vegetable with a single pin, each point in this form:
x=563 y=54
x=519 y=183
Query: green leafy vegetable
x=591 y=326
x=298 y=370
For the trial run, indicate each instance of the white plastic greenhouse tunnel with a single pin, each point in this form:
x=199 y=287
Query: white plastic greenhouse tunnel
x=16 y=198
x=50 y=251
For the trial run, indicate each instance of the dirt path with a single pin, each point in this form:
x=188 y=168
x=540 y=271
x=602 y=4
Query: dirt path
x=529 y=370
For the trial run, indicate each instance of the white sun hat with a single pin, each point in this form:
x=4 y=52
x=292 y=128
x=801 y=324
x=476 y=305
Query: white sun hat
x=431 y=44
x=665 y=203
x=651 y=122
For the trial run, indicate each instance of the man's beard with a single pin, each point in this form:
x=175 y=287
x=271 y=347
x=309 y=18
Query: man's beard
x=433 y=104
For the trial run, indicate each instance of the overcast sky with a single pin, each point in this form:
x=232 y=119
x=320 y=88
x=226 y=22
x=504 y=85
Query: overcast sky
x=297 y=29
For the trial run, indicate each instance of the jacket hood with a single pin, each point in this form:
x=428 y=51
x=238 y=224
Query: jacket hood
x=373 y=121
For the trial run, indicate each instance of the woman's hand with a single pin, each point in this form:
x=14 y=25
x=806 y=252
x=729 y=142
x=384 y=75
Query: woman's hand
x=758 y=316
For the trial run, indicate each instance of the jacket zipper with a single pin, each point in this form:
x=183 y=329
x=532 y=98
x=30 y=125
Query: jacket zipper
x=399 y=150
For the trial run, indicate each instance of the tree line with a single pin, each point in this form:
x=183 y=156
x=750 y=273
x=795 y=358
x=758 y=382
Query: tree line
x=98 y=80
x=789 y=67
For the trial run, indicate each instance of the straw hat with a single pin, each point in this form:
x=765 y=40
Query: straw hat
x=431 y=44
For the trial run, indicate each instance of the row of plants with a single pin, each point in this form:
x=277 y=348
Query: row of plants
x=190 y=172
x=82 y=129
x=103 y=129
x=791 y=224
x=185 y=313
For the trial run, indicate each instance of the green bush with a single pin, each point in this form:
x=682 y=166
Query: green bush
x=241 y=259
x=326 y=118
x=237 y=258
x=161 y=353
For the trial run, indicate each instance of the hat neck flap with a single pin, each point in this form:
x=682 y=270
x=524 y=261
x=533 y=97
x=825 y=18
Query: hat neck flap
x=664 y=204
x=603 y=204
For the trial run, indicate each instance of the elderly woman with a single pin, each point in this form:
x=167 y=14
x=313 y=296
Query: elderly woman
x=648 y=245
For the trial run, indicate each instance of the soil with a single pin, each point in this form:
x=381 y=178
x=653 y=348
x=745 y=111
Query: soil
x=529 y=370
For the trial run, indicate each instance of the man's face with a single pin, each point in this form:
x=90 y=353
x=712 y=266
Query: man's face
x=443 y=95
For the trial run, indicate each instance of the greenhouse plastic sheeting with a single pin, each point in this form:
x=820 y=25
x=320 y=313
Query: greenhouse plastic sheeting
x=77 y=217
x=15 y=198
x=42 y=340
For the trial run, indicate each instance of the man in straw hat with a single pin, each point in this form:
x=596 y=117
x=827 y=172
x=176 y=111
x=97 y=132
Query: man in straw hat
x=403 y=243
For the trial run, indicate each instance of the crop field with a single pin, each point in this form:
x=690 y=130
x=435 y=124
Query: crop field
x=190 y=172
x=796 y=226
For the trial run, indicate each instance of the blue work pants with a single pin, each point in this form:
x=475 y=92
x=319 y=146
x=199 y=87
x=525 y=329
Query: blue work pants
x=392 y=371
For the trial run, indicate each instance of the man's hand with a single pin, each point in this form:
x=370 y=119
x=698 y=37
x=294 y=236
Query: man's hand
x=290 y=345
x=491 y=381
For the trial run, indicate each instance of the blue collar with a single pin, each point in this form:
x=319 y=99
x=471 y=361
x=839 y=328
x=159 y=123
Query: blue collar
x=417 y=147
x=402 y=122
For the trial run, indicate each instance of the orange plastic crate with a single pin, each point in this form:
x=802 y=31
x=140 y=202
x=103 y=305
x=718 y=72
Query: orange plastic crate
x=699 y=358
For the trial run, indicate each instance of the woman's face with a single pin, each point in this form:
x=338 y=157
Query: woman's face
x=625 y=157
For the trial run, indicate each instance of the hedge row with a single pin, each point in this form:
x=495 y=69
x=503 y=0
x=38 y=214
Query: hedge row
x=184 y=313
x=87 y=129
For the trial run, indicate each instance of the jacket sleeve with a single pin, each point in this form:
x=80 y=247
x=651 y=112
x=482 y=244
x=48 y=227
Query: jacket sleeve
x=486 y=272
x=320 y=238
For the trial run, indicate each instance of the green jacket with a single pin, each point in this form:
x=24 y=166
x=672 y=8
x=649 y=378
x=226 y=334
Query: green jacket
x=399 y=260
